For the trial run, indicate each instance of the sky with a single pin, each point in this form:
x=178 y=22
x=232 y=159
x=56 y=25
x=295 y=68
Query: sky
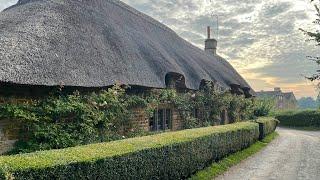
x=260 y=38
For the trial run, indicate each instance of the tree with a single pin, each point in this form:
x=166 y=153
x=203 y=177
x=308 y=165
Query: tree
x=307 y=103
x=315 y=36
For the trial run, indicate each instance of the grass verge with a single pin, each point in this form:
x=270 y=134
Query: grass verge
x=222 y=166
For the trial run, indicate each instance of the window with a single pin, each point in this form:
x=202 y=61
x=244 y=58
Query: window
x=161 y=120
x=195 y=113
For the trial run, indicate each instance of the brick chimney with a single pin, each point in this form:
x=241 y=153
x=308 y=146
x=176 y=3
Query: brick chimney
x=210 y=44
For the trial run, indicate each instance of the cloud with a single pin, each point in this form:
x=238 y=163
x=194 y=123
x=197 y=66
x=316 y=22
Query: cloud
x=260 y=38
x=6 y=3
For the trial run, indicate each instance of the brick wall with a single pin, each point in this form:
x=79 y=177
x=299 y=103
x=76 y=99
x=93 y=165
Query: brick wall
x=177 y=121
x=140 y=118
x=9 y=131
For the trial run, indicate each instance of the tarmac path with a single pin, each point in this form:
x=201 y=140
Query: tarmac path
x=294 y=155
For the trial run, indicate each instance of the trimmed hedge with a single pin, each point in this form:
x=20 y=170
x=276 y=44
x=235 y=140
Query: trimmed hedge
x=218 y=168
x=267 y=125
x=300 y=118
x=172 y=155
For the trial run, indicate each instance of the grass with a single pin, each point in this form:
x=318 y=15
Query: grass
x=222 y=166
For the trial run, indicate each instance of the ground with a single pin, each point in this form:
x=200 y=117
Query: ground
x=295 y=154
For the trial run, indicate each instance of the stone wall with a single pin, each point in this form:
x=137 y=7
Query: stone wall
x=9 y=131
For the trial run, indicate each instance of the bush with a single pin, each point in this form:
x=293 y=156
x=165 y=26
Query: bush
x=69 y=120
x=266 y=126
x=263 y=106
x=218 y=168
x=172 y=155
x=66 y=120
x=300 y=118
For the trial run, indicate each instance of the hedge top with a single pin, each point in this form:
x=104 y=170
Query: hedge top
x=266 y=119
x=92 y=152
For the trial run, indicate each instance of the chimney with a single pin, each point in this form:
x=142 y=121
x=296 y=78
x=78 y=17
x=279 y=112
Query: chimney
x=210 y=44
x=208 y=31
x=277 y=89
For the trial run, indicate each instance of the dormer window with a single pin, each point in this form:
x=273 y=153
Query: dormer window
x=175 y=81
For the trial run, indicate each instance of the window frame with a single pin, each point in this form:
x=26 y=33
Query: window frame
x=162 y=123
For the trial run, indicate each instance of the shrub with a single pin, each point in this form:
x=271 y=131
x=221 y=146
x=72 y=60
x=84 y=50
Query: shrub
x=300 y=118
x=172 y=155
x=263 y=106
x=69 y=120
x=63 y=120
x=218 y=168
x=266 y=126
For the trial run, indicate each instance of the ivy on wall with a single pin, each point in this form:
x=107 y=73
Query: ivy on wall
x=61 y=121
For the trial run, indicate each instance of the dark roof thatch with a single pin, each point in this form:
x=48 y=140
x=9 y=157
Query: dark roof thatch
x=268 y=94
x=95 y=43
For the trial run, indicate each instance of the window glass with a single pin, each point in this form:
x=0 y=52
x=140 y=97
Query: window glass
x=168 y=118
x=152 y=120
x=161 y=120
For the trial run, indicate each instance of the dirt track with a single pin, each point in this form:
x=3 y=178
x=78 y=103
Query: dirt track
x=293 y=155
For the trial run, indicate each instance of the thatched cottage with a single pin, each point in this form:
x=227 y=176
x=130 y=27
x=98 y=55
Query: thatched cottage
x=92 y=44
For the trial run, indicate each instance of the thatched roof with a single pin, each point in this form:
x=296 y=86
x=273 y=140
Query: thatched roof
x=289 y=95
x=95 y=43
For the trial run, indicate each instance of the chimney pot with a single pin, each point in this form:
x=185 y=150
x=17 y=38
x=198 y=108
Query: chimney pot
x=208 y=31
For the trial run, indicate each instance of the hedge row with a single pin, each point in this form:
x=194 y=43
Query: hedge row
x=172 y=155
x=300 y=118
x=266 y=126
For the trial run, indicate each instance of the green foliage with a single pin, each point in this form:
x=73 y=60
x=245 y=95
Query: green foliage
x=310 y=118
x=70 y=120
x=171 y=155
x=241 y=108
x=267 y=125
x=62 y=121
x=263 y=106
x=212 y=103
x=222 y=166
x=315 y=36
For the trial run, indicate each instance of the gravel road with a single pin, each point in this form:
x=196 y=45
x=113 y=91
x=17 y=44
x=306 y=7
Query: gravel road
x=293 y=155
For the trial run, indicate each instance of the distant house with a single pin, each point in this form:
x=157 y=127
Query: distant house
x=90 y=45
x=283 y=100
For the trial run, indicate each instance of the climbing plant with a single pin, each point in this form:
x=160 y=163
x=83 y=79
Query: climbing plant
x=63 y=120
